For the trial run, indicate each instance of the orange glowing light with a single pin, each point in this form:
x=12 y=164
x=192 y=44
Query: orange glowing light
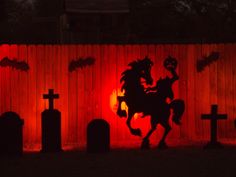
x=136 y=115
x=114 y=103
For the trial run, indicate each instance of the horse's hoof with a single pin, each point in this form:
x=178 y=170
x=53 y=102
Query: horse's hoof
x=162 y=145
x=136 y=132
x=145 y=144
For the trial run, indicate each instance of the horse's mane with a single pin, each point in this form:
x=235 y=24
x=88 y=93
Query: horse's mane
x=130 y=74
x=137 y=64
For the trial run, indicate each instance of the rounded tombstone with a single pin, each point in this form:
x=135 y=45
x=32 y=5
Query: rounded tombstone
x=98 y=136
x=11 y=134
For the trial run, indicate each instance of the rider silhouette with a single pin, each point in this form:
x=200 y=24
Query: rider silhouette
x=164 y=86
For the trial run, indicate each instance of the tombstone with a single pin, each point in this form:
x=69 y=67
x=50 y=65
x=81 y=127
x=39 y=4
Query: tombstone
x=11 y=134
x=51 y=125
x=214 y=117
x=98 y=136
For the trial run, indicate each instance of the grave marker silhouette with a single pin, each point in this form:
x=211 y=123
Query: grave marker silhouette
x=51 y=125
x=11 y=130
x=214 y=117
x=98 y=136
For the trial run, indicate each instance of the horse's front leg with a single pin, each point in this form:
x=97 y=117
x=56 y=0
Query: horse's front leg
x=137 y=131
x=120 y=112
x=145 y=142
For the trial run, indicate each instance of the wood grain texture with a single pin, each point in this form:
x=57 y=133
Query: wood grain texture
x=86 y=93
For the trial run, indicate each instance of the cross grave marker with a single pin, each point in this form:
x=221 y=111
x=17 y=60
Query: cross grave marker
x=214 y=117
x=51 y=125
x=51 y=96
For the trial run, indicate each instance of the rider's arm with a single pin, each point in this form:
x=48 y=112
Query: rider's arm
x=174 y=75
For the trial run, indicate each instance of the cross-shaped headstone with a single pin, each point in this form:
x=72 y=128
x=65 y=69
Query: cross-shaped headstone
x=50 y=96
x=214 y=116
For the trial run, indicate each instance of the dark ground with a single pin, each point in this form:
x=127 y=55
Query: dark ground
x=173 y=162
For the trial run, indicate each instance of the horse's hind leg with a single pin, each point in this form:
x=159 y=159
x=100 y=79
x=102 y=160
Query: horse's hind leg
x=145 y=142
x=162 y=143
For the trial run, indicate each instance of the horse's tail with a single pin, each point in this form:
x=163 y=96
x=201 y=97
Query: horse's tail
x=178 y=107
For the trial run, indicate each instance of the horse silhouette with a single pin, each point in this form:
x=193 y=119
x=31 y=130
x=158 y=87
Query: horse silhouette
x=151 y=101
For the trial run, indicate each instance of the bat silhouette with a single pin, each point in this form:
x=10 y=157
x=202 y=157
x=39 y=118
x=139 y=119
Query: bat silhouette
x=19 y=65
x=80 y=63
x=207 y=60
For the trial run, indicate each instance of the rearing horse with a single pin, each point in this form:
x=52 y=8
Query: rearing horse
x=139 y=99
x=134 y=95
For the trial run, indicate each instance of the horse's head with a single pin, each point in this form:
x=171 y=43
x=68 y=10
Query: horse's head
x=143 y=69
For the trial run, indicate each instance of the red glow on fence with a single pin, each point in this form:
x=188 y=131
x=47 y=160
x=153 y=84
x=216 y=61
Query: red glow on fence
x=91 y=92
